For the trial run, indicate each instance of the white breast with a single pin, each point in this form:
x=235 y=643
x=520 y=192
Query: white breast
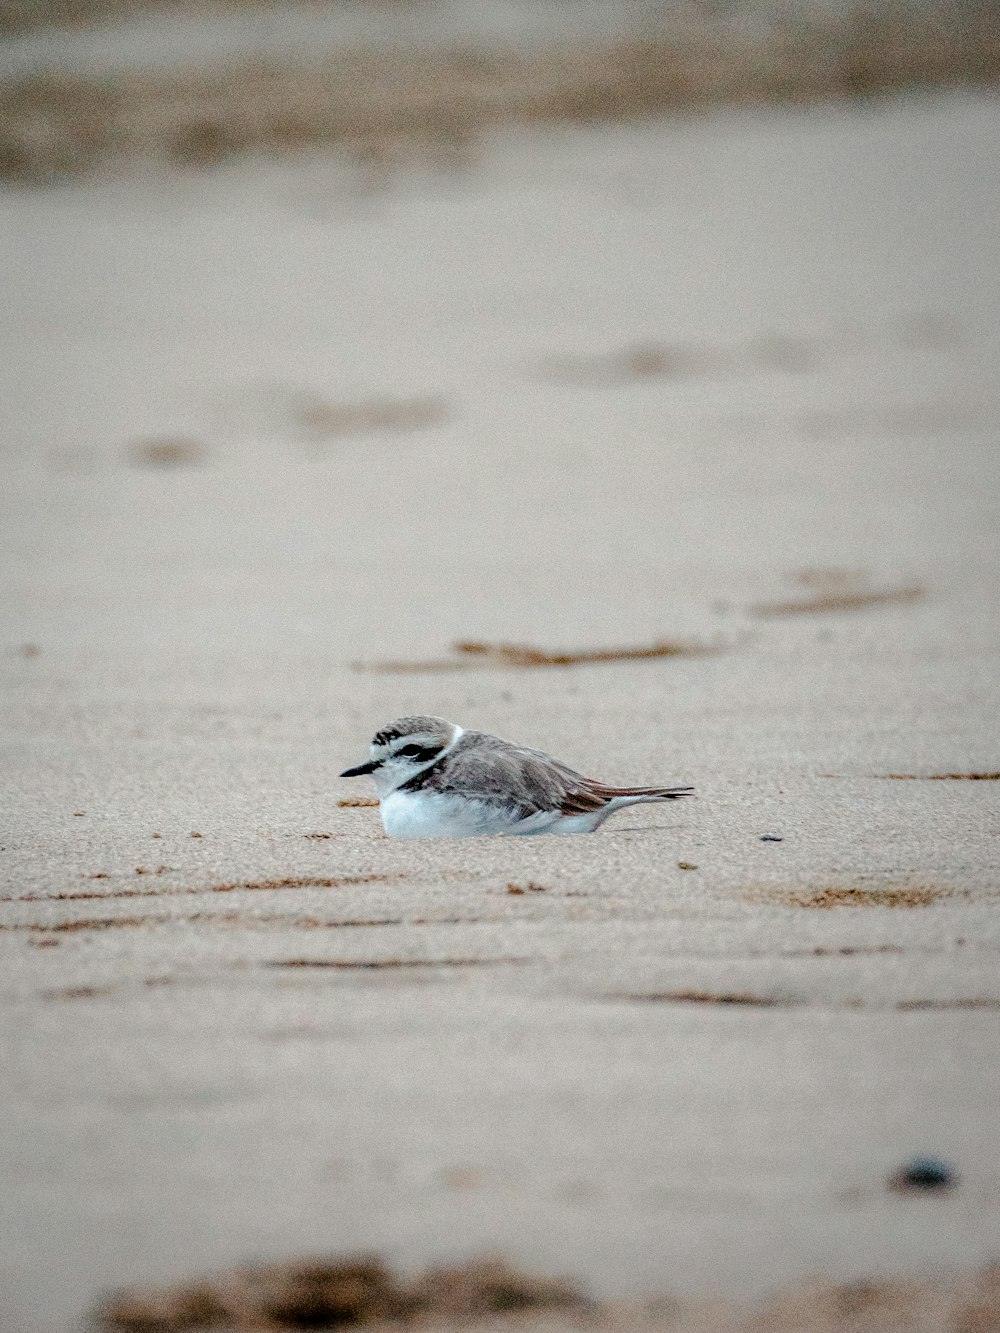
x=433 y=815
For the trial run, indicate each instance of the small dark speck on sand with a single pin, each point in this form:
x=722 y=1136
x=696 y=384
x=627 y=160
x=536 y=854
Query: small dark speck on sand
x=770 y=837
x=923 y=1174
x=166 y=451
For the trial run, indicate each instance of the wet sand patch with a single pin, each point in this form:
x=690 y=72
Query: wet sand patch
x=285 y=920
x=90 y=923
x=352 y=923
x=89 y=895
x=389 y=964
x=854 y=1003
x=830 y=896
x=471 y=655
x=79 y=993
x=330 y=1293
x=741 y=998
x=456 y=920
x=301 y=882
x=842 y=951
x=304 y=882
x=843 y=600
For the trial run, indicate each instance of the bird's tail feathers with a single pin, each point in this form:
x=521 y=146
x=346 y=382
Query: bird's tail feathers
x=647 y=793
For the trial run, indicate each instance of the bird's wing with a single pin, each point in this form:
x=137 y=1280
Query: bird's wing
x=490 y=769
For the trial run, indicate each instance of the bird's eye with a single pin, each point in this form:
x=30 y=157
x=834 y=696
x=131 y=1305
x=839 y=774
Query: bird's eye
x=409 y=751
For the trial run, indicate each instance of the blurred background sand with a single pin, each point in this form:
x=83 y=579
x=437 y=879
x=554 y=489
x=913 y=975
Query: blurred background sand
x=336 y=336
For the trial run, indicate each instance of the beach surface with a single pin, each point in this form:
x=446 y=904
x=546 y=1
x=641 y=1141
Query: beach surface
x=275 y=439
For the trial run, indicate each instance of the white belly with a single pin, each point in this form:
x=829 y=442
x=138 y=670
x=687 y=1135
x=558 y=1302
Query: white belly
x=431 y=815
x=428 y=815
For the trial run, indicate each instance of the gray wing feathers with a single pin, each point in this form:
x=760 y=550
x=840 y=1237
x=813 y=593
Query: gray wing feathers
x=493 y=769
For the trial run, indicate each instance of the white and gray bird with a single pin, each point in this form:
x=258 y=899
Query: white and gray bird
x=436 y=780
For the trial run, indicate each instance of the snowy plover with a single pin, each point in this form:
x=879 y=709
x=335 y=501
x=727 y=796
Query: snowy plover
x=435 y=780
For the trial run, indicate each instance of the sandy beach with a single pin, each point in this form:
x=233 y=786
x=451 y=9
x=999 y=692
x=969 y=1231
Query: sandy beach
x=277 y=437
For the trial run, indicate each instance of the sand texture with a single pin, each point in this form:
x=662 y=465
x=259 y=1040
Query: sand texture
x=384 y=83
x=670 y=448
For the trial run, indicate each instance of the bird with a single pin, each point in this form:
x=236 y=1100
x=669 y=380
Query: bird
x=434 y=779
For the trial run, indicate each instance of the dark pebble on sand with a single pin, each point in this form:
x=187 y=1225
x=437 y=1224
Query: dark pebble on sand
x=770 y=837
x=923 y=1173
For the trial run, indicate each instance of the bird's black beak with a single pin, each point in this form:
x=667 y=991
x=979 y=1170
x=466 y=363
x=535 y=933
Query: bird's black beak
x=361 y=769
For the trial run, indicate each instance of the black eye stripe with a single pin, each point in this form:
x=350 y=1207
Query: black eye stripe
x=420 y=754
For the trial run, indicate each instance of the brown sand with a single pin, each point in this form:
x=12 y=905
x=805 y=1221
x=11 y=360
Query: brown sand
x=490 y=1293
x=382 y=107
x=472 y=655
x=464 y=1070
